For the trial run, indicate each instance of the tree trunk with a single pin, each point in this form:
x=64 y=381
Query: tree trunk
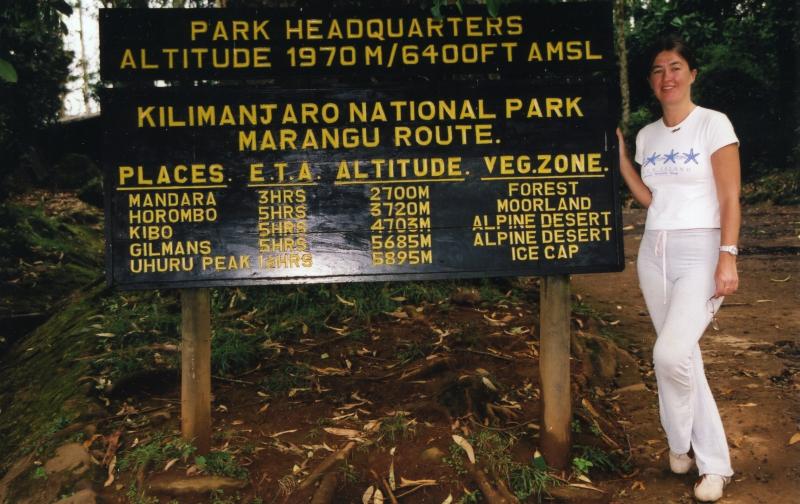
x=84 y=62
x=622 y=56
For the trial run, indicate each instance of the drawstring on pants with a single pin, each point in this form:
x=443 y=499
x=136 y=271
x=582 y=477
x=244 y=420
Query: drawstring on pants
x=661 y=249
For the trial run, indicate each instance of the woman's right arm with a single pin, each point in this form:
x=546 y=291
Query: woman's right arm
x=632 y=179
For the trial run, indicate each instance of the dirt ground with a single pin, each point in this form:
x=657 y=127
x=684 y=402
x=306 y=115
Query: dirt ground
x=389 y=395
x=750 y=363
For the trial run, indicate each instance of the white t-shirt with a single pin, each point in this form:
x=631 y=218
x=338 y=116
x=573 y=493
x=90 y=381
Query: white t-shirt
x=676 y=167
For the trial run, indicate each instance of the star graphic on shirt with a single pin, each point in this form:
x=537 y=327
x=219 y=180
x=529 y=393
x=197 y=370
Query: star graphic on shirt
x=690 y=156
x=670 y=158
x=651 y=160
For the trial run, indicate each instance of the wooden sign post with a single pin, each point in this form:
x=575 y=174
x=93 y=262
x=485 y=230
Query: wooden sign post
x=554 y=344
x=196 y=368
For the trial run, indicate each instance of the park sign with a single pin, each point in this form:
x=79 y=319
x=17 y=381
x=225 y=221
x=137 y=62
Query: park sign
x=533 y=40
x=506 y=170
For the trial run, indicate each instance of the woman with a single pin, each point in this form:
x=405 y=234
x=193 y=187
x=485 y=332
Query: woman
x=689 y=183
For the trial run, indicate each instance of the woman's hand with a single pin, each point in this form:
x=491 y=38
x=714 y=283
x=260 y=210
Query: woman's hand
x=638 y=189
x=623 y=150
x=726 y=277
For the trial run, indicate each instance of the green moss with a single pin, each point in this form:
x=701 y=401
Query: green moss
x=42 y=379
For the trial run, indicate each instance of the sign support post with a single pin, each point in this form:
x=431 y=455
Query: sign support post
x=554 y=352
x=196 y=368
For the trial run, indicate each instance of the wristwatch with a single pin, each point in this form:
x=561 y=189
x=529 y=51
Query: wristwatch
x=731 y=249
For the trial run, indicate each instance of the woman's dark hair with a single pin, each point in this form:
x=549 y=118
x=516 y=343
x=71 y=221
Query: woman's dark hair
x=672 y=42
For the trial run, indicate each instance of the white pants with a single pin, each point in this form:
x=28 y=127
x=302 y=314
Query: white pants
x=676 y=275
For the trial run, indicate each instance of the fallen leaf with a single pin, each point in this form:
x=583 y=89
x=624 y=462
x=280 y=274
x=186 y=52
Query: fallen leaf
x=378 y=497
x=464 y=444
x=794 y=439
x=345 y=301
x=587 y=487
x=489 y=384
x=448 y=500
x=112 y=443
x=584 y=478
x=349 y=433
x=169 y=464
x=781 y=280
x=398 y=313
x=281 y=433
x=764 y=301
x=748 y=405
x=330 y=371
x=498 y=322
x=423 y=482
x=89 y=442
x=111 y=468
x=392 y=481
x=638 y=485
x=366 y=498
x=264 y=408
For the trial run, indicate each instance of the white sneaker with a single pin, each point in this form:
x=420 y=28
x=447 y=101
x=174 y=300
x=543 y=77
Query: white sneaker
x=709 y=487
x=680 y=463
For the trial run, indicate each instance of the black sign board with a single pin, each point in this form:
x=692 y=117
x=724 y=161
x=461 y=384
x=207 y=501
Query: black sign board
x=254 y=186
x=148 y=44
x=232 y=185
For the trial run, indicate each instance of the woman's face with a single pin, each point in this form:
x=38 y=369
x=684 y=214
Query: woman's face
x=671 y=79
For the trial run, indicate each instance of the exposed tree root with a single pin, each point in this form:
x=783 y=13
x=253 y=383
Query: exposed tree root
x=330 y=461
x=389 y=492
x=501 y=495
x=327 y=489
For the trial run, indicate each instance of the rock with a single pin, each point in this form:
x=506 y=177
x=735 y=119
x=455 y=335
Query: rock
x=466 y=296
x=84 y=484
x=20 y=467
x=433 y=454
x=195 y=485
x=71 y=457
x=160 y=417
x=85 y=496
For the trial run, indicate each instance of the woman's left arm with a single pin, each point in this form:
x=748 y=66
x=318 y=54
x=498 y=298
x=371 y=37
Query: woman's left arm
x=727 y=176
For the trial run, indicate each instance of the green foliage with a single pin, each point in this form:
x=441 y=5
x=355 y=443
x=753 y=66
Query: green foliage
x=493 y=452
x=470 y=497
x=395 y=428
x=220 y=463
x=135 y=496
x=286 y=376
x=781 y=188
x=156 y=452
x=531 y=480
x=7 y=72
x=39 y=473
x=233 y=351
x=32 y=47
x=350 y=475
x=581 y=466
x=218 y=497
x=598 y=458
